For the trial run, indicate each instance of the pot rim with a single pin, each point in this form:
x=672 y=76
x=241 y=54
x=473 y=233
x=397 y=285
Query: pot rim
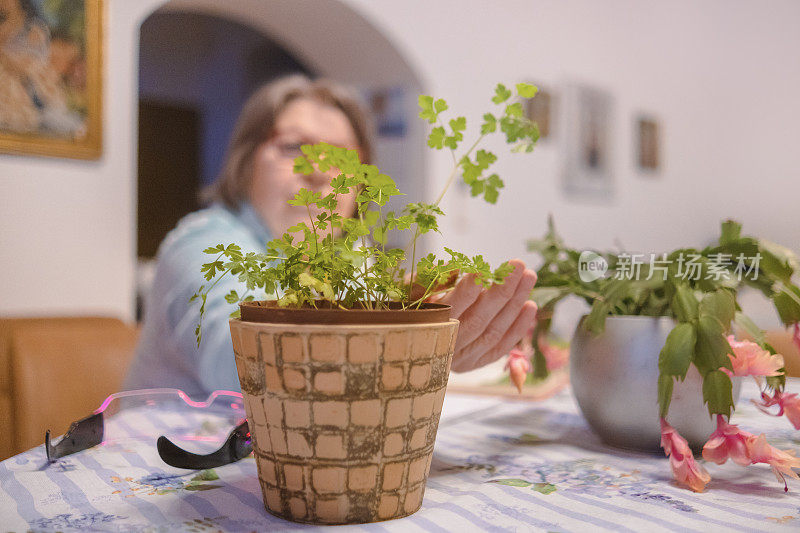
x=330 y=328
x=268 y=312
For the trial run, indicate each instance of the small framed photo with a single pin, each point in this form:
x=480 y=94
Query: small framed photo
x=649 y=156
x=539 y=109
x=51 y=77
x=387 y=106
x=587 y=138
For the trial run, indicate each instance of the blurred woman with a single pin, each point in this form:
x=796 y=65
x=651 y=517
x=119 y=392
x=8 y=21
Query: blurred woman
x=249 y=206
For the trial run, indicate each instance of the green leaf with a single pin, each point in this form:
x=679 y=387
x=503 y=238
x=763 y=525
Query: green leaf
x=776 y=261
x=530 y=438
x=490 y=194
x=206 y=475
x=453 y=140
x=720 y=304
x=304 y=197
x=489 y=124
x=196 y=295
x=749 y=327
x=501 y=94
x=232 y=297
x=595 y=321
x=527 y=90
x=201 y=487
x=484 y=158
x=458 y=124
x=512 y=482
x=303 y=166
x=712 y=348
x=429 y=110
x=731 y=232
x=436 y=138
x=777 y=382
x=717 y=393
x=514 y=110
x=379 y=235
x=665 y=384
x=544 y=488
x=787 y=303
x=685 y=304
x=544 y=296
x=426 y=112
x=495 y=181
x=214 y=249
x=678 y=351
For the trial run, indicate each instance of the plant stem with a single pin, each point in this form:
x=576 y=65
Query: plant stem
x=314 y=229
x=420 y=300
x=413 y=259
x=366 y=279
x=452 y=176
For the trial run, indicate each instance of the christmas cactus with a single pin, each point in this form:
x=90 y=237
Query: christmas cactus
x=697 y=288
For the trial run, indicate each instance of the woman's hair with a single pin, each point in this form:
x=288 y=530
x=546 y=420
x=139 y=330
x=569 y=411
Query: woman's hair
x=256 y=124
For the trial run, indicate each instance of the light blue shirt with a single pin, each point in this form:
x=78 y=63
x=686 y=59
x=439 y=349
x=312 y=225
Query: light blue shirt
x=167 y=354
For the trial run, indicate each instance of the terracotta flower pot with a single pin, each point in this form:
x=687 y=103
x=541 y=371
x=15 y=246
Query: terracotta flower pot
x=343 y=416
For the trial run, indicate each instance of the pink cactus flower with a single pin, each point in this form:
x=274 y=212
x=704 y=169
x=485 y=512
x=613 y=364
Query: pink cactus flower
x=750 y=359
x=555 y=356
x=728 y=442
x=796 y=336
x=685 y=469
x=788 y=404
x=518 y=366
x=782 y=462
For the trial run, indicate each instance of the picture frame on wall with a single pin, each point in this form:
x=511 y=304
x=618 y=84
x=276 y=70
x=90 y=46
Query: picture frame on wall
x=588 y=142
x=540 y=110
x=51 y=78
x=387 y=106
x=648 y=144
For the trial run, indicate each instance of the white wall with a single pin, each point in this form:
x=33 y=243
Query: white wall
x=721 y=75
x=67 y=228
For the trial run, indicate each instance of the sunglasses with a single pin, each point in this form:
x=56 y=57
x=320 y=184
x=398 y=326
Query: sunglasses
x=201 y=426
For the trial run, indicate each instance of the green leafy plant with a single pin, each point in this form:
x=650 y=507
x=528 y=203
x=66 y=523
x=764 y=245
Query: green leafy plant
x=344 y=262
x=698 y=289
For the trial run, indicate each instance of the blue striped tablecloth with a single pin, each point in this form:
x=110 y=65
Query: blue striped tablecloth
x=498 y=465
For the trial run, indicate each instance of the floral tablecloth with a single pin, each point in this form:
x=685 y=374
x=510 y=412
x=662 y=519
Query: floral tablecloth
x=498 y=465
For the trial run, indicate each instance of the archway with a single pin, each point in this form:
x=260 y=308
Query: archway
x=318 y=37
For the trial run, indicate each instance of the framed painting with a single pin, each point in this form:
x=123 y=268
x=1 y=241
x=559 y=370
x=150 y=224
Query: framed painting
x=588 y=146
x=51 y=77
x=648 y=143
x=539 y=110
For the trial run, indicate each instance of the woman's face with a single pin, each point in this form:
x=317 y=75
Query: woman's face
x=273 y=182
x=12 y=19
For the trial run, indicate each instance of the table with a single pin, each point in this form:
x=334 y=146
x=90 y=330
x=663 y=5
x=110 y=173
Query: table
x=498 y=465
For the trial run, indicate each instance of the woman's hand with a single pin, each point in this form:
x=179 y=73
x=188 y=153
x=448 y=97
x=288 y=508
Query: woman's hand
x=492 y=320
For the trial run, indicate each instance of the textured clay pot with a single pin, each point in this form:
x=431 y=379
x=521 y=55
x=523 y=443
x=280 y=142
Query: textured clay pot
x=343 y=416
x=614 y=378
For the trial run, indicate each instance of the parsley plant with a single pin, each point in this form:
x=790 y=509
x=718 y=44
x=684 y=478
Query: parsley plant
x=343 y=262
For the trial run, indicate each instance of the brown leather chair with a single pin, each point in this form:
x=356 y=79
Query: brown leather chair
x=56 y=370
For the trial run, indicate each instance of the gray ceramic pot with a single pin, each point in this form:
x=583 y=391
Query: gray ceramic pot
x=614 y=377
